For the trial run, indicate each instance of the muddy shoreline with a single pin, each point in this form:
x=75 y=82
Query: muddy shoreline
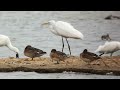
x=106 y=65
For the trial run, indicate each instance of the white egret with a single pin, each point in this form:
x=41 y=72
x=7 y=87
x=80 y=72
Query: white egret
x=5 y=41
x=65 y=30
x=109 y=47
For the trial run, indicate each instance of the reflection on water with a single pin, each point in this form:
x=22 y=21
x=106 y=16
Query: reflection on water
x=24 y=28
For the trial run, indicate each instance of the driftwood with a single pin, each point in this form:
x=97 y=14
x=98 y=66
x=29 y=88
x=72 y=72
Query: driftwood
x=74 y=64
x=61 y=70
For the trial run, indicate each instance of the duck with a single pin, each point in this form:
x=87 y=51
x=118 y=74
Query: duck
x=105 y=37
x=32 y=52
x=57 y=55
x=5 y=41
x=88 y=57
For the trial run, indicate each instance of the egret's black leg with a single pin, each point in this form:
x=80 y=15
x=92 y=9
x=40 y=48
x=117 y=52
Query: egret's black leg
x=101 y=54
x=111 y=54
x=63 y=44
x=68 y=46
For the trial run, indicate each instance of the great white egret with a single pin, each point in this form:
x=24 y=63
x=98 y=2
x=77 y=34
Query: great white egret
x=33 y=52
x=5 y=41
x=65 y=30
x=109 y=47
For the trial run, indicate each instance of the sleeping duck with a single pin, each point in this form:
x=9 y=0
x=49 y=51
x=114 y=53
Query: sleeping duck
x=88 y=57
x=33 y=52
x=57 y=55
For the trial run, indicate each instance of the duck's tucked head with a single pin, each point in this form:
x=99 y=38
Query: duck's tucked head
x=53 y=50
x=28 y=46
x=85 y=51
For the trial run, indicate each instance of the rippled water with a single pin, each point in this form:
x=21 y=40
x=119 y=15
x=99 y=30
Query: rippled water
x=67 y=75
x=24 y=28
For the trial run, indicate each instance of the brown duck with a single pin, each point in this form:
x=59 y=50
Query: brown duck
x=105 y=37
x=57 y=55
x=88 y=56
x=33 y=52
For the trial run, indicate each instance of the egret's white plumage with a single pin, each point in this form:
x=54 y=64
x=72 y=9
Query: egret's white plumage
x=109 y=47
x=65 y=30
x=5 y=41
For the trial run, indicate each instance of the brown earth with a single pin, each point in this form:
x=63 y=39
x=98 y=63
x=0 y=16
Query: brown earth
x=106 y=65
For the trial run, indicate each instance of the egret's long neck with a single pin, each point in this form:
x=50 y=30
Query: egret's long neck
x=52 y=28
x=119 y=45
x=99 y=48
x=11 y=47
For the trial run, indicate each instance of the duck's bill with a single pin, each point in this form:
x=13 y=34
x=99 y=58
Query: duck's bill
x=17 y=55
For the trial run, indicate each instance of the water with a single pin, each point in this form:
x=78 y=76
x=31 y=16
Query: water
x=24 y=28
x=66 y=75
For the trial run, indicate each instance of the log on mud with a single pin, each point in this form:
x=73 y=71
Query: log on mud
x=106 y=65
